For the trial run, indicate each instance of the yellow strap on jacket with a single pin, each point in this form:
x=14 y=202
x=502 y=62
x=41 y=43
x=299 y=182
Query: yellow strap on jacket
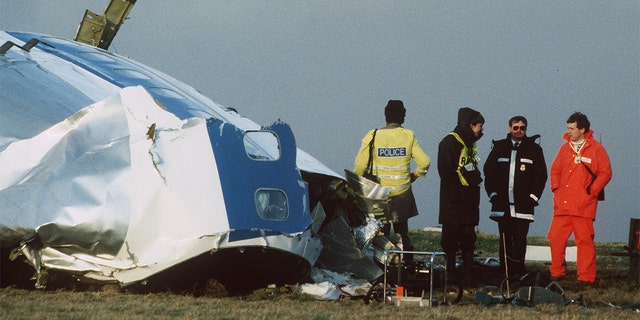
x=465 y=159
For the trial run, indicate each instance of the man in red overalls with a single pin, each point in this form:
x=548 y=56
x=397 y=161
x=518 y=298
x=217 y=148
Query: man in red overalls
x=575 y=197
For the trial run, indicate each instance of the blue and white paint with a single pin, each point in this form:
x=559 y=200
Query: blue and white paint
x=115 y=171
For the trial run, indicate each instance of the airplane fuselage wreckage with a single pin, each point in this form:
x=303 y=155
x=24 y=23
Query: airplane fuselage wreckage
x=113 y=172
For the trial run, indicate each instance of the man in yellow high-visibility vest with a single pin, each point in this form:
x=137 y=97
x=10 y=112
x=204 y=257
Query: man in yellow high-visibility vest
x=393 y=148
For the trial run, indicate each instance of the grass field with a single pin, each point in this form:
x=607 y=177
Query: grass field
x=110 y=302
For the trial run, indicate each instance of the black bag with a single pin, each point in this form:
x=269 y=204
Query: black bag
x=593 y=178
x=473 y=177
x=368 y=174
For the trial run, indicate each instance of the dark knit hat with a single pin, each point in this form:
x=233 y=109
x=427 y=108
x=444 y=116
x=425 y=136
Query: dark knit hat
x=395 y=111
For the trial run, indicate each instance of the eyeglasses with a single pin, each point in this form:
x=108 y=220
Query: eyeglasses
x=516 y=128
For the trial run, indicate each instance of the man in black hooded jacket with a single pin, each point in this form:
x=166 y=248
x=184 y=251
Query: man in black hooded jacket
x=515 y=176
x=460 y=190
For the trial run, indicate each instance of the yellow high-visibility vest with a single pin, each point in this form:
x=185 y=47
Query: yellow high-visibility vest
x=466 y=158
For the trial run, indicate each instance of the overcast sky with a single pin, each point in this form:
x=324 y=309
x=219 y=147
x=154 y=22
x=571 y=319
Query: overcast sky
x=329 y=67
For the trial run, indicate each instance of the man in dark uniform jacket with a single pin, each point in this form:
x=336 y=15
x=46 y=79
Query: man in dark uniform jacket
x=515 y=176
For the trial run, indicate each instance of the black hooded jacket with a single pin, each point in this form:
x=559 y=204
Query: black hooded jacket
x=524 y=168
x=458 y=203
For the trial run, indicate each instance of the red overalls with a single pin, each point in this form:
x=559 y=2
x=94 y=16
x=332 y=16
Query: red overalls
x=574 y=210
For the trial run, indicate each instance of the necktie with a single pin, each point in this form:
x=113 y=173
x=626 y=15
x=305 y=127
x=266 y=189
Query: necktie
x=515 y=145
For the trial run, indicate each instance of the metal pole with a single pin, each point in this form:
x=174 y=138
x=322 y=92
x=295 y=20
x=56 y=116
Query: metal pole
x=506 y=264
x=634 y=250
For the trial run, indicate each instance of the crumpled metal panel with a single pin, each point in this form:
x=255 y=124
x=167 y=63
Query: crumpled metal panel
x=97 y=184
x=366 y=188
x=340 y=252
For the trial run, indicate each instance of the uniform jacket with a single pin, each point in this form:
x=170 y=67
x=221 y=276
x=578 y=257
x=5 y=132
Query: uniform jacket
x=394 y=147
x=569 y=178
x=515 y=177
x=458 y=203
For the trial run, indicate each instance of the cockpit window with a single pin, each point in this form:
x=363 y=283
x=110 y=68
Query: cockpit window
x=272 y=204
x=262 y=145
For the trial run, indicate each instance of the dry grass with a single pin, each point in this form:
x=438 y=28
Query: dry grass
x=109 y=302
x=23 y=304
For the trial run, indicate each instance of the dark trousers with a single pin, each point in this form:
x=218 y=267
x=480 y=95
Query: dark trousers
x=513 y=239
x=463 y=237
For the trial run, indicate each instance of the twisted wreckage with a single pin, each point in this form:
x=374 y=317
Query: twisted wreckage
x=117 y=173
